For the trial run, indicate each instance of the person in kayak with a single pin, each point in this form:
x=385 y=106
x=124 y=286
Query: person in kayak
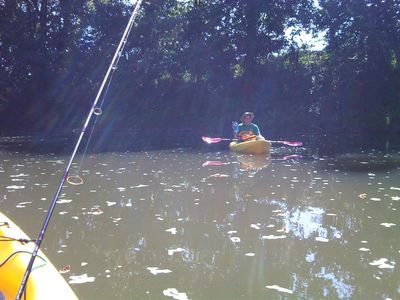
x=246 y=131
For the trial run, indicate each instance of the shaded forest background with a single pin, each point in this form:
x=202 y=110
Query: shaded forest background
x=198 y=65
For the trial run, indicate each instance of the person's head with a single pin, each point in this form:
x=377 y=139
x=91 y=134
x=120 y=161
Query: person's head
x=247 y=117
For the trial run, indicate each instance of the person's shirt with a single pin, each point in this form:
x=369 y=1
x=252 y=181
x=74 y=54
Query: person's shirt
x=250 y=129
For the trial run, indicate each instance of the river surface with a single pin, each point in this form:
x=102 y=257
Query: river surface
x=206 y=224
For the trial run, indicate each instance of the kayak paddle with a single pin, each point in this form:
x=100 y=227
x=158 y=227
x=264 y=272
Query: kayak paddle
x=213 y=140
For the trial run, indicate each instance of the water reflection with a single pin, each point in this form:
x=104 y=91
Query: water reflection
x=213 y=225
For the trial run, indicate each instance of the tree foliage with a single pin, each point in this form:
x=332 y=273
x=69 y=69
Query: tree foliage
x=199 y=64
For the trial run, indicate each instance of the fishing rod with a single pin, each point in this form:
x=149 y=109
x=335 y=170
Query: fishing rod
x=92 y=111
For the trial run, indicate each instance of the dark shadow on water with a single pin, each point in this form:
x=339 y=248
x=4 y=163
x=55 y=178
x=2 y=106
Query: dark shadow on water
x=152 y=140
x=131 y=142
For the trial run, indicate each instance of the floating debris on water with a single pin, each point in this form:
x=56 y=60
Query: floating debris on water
x=171 y=230
x=235 y=239
x=65 y=269
x=321 y=239
x=84 y=278
x=273 y=237
x=156 y=270
x=375 y=199
x=62 y=201
x=95 y=210
x=176 y=250
x=218 y=175
x=364 y=249
x=388 y=225
x=15 y=187
x=19 y=175
x=172 y=292
x=23 y=204
x=381 y=263
x=139 y=186
x=279 y=289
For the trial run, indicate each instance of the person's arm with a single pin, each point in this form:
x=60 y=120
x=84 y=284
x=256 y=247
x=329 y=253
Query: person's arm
x=235 y=127
x=239 y=129
x=257 y=132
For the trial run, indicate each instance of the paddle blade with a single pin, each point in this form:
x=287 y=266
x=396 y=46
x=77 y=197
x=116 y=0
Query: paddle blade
x=213 y=140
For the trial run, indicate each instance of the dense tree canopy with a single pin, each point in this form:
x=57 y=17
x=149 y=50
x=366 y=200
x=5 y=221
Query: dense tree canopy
x=199 y=64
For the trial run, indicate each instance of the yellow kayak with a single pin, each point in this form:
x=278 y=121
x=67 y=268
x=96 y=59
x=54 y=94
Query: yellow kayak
x=45 y=282
x=251 y=147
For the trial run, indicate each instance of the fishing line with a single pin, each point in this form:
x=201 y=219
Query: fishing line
x=112 y=66
x=76 y=179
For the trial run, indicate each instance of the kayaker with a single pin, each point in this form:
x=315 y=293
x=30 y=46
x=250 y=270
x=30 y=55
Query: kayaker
x=246 y=131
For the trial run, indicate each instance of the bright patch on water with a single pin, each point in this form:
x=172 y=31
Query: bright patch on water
x=388 y=225
x=235 y=239
x=172 y=292
x=156 y=270
x=176 y=250
x=19 y=175
x=321 y=239
x=140 y=186
x=310 y=257
x=171 y=230
x=95 y=211
x=84 y=278
x=273 y=237
x=382 y=263
x=279 y=289
x=375 y=199
x=22 y=204
x=15 y=187
x=61 y=201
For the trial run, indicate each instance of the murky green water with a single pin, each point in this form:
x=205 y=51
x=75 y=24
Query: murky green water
x=182 y=224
